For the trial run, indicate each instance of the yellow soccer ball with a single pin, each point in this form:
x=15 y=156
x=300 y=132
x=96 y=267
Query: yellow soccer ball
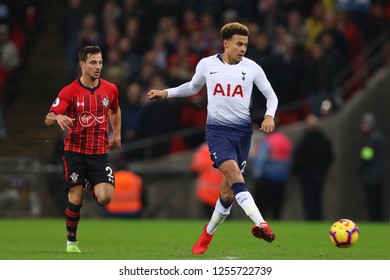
x=344 y=233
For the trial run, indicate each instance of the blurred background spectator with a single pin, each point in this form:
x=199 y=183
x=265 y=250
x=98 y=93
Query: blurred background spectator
x=9 y=197
x=9 y=53
x=133 y=113
x=318 y=79
x=87 y=34
x=9 y=62
x=209 y=179
x=129 y=199
x=115 y=68
x=70 y=22
x=270 y=172
x=312 y=158
x=373 y=165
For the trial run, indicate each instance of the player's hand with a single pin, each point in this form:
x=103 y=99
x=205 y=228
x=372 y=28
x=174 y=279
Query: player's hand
x=155 y=94
x=114 y=144
x=268 y=124
x=64 y=122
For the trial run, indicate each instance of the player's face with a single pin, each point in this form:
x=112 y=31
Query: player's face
x=93 y=66
x=235 y=48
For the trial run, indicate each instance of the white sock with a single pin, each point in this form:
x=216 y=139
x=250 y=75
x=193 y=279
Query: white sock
x=219 y=215
x=70 y=242
x=245 y=200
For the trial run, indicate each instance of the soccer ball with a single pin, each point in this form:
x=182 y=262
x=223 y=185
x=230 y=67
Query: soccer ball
x=344 y=233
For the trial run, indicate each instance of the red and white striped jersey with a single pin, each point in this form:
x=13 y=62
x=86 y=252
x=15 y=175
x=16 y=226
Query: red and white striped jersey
x=90 y=108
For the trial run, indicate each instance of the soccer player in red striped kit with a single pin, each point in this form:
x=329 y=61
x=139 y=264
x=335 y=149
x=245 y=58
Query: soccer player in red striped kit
x=85 y=108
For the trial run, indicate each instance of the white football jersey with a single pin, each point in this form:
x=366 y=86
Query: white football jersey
x=229 y=90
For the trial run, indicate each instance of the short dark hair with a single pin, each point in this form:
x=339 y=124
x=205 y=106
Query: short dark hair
x=86 y=51
x=233 y=28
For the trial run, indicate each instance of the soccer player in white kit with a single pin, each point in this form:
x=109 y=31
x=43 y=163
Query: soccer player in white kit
x=229 y=77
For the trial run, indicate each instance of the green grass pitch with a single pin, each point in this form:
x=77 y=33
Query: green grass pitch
x=105 y=239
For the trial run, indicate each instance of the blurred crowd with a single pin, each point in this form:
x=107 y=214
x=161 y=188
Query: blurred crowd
x=301 y=45
x=18 y=19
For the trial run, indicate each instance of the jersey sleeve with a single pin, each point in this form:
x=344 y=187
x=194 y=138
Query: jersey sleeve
x=266 y=89
x=260 y=79
x=115 y=100
x=192 y=87
x=272 y=101
x=61 y=103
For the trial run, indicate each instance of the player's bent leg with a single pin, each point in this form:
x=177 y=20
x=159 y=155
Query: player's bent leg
x=263 y=231
x=261 y=228
x=104 y=193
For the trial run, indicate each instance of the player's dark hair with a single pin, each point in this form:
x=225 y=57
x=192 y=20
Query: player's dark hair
x=233 y=28
x=87 y=51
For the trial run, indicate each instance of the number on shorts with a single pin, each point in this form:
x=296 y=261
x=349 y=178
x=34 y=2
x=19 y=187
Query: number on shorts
x=243 y=165
x=110 y=175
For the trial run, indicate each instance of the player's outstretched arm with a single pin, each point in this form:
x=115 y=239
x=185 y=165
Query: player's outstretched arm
x=155 y=94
